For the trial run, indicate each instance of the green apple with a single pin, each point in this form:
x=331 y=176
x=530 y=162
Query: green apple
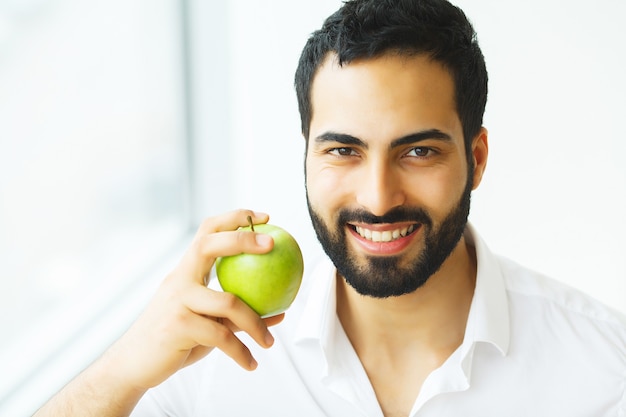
x=268 y=282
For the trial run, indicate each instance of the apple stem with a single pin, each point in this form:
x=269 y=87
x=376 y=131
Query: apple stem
x=250 y=223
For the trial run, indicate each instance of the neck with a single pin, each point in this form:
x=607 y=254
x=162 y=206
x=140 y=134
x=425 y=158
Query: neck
x=431 y=319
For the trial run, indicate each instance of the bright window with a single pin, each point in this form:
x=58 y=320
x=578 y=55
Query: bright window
x=93 y=181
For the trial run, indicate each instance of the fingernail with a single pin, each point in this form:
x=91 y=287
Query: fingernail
x=253 y=364
x=263 y=240
x=269 y=339
x=258 y=214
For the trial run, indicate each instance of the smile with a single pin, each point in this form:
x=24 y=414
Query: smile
x=384 y=235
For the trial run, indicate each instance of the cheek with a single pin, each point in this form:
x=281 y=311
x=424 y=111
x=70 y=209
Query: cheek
x=325 y=189
x=439 y=191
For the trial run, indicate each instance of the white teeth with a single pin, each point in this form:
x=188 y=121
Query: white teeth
x=385 y=236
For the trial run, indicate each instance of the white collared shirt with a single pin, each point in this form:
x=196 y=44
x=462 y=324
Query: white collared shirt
x=532 y=347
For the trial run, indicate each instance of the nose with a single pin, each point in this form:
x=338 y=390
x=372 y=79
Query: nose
x=380 y=187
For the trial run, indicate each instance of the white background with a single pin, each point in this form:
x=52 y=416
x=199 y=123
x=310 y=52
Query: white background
x=553 y=196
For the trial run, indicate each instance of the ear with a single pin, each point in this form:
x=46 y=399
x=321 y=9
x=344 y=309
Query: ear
x=480 y=151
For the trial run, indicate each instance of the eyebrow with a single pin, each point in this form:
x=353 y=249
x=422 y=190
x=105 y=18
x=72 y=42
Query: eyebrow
x=346 y=139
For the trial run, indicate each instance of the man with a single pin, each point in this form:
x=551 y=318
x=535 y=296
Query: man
x=410 y=314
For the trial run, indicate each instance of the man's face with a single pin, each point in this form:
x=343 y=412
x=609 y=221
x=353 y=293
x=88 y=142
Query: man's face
x=387 y=177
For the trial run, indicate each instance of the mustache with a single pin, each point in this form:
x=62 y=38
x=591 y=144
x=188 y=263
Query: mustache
x=396 y=214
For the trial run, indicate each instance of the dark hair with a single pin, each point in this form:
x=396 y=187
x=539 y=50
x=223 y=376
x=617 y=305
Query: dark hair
x=371 y=28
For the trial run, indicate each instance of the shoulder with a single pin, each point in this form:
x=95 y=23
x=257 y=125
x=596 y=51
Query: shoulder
x=532 y=293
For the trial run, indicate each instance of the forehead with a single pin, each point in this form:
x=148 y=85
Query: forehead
x=383 y=98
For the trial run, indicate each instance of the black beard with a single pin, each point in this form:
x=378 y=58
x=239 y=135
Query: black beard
x=384 y=276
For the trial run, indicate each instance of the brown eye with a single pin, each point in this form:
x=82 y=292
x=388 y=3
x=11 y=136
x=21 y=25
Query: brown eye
x=420 y=152
x=342 y=151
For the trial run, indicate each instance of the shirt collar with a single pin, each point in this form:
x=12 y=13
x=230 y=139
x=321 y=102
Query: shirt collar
x=488 y=319
x=319 y=319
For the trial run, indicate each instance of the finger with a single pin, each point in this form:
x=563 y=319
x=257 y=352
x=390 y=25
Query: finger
x=274 y=320
x=234 y=243
x=231 y=221
x=269 y=322
x=197 y=353
x=210 y=333
x=206 y=249
x=236 y=314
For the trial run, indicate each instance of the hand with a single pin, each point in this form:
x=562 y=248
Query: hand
x=185 y=320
